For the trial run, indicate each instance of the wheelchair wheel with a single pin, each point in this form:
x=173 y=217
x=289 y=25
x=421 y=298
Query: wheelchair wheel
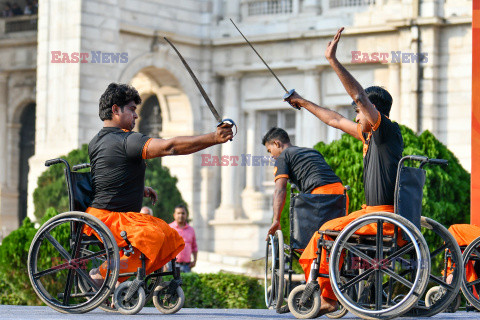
x=58 y=264
x=471 y=261
x=390 y=278
x=126 y=304
x=167 y=302
x=310 y=309
x=446 y=255
x=274 y=271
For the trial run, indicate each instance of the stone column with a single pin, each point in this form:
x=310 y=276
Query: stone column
x=3 y=130
x=394 y=87
x=230 y=205
x=312 y=130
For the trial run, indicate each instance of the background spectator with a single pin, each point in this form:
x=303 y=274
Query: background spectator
x=184 y=258
x=7 y=11
x=16 y=10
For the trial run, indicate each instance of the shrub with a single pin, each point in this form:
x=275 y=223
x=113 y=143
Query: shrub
x=222 y=290
x=15 y=287
x=52 y=187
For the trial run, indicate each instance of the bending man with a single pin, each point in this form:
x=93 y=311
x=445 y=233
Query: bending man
x=382 y=150
x=117 y=158
x=305 y=167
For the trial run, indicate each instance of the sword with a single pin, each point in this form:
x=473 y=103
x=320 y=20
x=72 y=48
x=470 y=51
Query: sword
x=202 y=91
x=288 y=93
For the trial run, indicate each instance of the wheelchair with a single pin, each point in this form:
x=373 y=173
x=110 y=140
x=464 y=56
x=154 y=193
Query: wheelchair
x=308 y=212
x=61 y=256
x=382 y=276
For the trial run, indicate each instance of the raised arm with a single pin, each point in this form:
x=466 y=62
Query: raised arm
x=353 y=88
x=188 y=145
x=328 y=116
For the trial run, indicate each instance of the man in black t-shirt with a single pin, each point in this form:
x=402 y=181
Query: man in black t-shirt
x=382 y=150
x=305 y=167
x=117 y=158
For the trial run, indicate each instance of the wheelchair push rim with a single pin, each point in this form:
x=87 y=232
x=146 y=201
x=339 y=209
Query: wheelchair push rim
x=69 y=264
x=381 y=268
x=274 y=273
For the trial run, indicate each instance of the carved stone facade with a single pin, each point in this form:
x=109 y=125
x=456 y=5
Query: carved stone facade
x=230 y=205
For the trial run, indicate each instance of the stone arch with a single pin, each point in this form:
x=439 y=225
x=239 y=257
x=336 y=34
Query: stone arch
x=168 y=72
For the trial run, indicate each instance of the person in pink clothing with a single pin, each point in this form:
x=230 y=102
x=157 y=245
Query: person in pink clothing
x=184 y=258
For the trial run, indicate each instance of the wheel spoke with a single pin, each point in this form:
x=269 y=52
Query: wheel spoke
x=439 y=281
x=469 y=284
x=439 y=250
x=64 y=253
x=398 y=278
x=359 y=253
x=68 y=287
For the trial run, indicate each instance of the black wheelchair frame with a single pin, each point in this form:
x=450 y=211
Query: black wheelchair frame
x=130 y=296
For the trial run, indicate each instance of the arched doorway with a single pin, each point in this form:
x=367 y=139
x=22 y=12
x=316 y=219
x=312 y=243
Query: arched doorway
x=27 y=149
x=150 y=117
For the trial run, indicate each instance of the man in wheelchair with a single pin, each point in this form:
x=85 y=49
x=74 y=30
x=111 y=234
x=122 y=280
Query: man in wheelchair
x=305 y=167
x=382 y=151
x=117 y=157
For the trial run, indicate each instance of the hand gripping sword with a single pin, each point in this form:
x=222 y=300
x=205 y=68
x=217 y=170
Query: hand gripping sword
x=202 y=91
x=288 y=93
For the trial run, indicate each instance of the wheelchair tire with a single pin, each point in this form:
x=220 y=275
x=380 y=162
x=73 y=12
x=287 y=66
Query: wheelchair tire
x=308 y=311
x=471 y=255
x=168 y=304
x=381 y=267
x=66 y=266
x=132 y=305
x=275 y=272
x=439 y=300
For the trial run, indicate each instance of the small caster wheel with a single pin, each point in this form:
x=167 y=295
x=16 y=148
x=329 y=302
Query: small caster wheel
x=132 y=305
x=167 y=302
x=433 y=295
x=310 y=309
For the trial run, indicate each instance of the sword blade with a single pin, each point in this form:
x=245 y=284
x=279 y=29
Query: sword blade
x=199 y=86
x=273 y=73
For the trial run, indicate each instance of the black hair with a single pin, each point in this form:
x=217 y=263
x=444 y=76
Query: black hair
x=380 y=98
x=119 y=94
x=276 y=133
x=181 y=206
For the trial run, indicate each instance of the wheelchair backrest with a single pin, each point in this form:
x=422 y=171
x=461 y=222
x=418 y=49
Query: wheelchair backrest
x=409 y=193
x=82 y=189
x=308 y=212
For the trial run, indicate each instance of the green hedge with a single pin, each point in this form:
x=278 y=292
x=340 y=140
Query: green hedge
x=222 y=290
x=15 y=286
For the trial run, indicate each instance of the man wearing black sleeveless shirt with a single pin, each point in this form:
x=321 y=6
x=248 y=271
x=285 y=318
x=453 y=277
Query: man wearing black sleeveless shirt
x=382 y=150
x=305 y=167
x=117 y=157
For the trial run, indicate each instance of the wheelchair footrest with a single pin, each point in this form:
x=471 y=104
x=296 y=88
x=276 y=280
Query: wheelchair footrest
x=310 y=288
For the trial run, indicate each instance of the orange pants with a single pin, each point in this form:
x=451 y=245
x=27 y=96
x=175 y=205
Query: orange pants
x=148 y=235
x=465 y=234
x=310 y=252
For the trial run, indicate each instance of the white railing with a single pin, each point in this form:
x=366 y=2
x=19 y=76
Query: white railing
x=269 y=7
x=18 y=24
x=349 y=3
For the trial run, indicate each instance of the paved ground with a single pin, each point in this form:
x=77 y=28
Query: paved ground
x=45 y=313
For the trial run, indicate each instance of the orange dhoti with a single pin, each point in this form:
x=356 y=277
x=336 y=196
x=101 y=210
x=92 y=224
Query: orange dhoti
x=149 y=235
x=465 y=234
x=338 y=224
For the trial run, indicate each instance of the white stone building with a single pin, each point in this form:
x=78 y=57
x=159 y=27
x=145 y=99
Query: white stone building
x=230 y=205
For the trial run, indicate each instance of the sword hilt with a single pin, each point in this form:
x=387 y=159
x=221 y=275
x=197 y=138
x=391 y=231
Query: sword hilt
x=288 y=95
x=230 y=122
